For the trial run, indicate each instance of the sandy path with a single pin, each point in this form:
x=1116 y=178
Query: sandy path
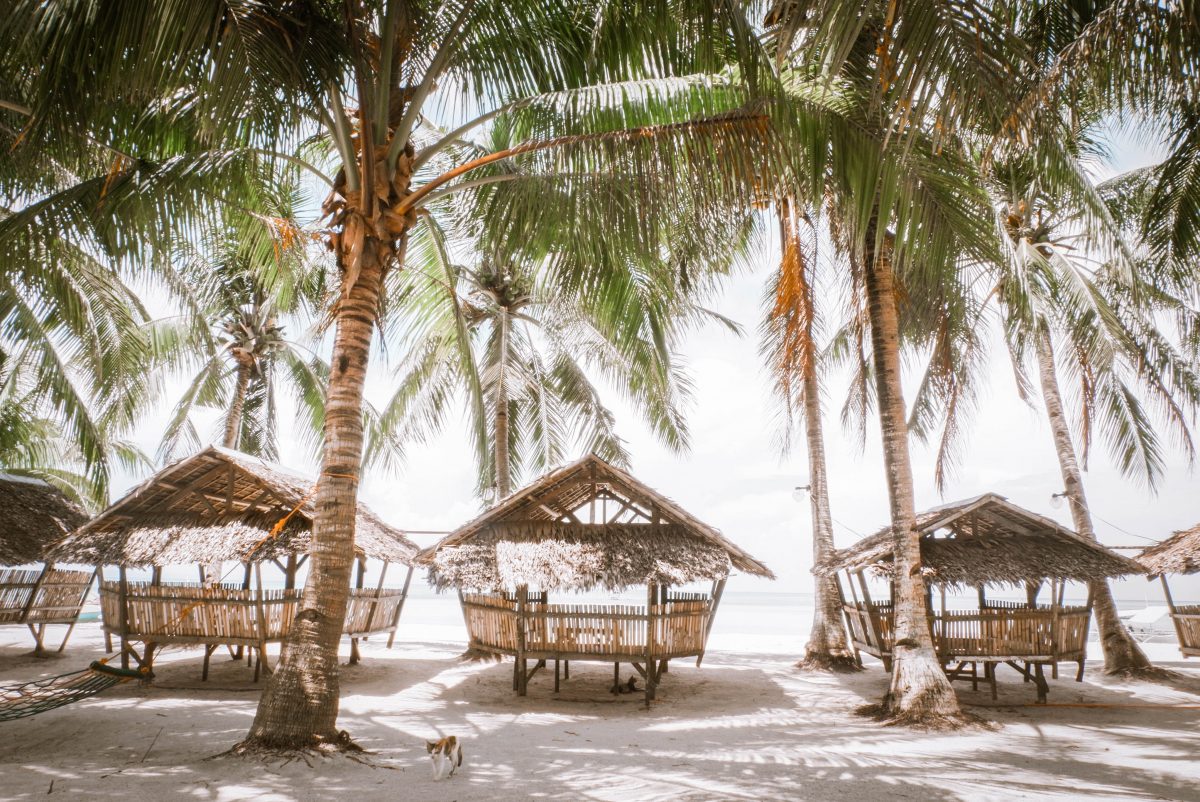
x=745 y=726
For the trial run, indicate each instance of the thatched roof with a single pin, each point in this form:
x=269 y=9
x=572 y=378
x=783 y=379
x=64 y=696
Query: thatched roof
x=989 y=540
x=1178 y=554
x=587 y=525
x=213 y=506
x=35 y=514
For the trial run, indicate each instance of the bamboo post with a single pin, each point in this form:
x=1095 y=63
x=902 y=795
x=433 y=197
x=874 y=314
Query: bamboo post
x=1177 y=622
x=289 y=573
x=651 y=677
x=400 y=606
x=712 y=615
x=105 y=625
x=875 y=635
x=358 y=585
x=262 y=624
x=1055 y=609
x=38 y=651
x=375 y=602
x=240 y=650
x=123 y=608
x=522 y=596
x=841 y=592
x=79 y=611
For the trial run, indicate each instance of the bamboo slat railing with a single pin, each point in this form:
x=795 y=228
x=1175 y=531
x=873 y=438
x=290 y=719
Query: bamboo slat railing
x=1187 y=628
x=49 y=596
x=37 y=598
x=1009 y=630
x=230 y=614
x=606 y=633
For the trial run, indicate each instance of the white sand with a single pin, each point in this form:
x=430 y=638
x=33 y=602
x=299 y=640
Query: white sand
x=745 y=726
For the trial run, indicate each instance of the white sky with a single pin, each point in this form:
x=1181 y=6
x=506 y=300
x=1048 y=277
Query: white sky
x=735 y=479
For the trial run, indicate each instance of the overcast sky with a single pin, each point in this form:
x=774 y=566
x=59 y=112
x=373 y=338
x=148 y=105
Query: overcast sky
x=735 y=479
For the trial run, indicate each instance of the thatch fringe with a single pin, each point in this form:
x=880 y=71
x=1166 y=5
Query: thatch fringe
x=1178 y=554
x=539 y=537
x=35 y=514
x=217 y=505
x=989 y=540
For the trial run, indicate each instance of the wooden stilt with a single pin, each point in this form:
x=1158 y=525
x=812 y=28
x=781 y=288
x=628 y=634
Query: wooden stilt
x=522 y=602
x=123 y=608
x=359 y=576
x=106 y=624
x=208 y=650
x=261 y=615
x=400 y=607
x=557 y=676
x=718 y=589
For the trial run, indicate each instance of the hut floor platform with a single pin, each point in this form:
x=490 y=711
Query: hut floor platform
x=745 y=726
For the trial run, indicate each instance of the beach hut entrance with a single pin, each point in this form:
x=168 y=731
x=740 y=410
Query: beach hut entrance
x=1178 y=554
x=215 y=508
x=583 y=527
x=35 y=515
x=975 y=544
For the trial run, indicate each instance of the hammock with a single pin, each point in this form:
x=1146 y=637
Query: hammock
x=31 y=698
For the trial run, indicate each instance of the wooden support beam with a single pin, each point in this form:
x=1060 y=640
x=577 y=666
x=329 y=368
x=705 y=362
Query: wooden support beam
x=400 y=606
x=123 y=610
x=522 y=598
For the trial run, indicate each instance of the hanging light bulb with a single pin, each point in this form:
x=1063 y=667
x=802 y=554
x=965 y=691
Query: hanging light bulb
x=1056 y=500
x=800 y=493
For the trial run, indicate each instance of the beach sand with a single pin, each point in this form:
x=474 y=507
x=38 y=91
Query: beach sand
x=746 y=725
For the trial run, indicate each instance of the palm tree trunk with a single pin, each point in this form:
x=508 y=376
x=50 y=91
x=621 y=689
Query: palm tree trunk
x=500 y=435
x=233 y=417
x=827 y=647
x=1121 y=652
x=233 y=431
x=299 y=707
x=920 y=693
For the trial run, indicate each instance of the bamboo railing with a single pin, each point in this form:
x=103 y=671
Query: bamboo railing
x=601 y=632
x=43 y=596
x=193 y=613
x=1187 y=628
x=999 y=631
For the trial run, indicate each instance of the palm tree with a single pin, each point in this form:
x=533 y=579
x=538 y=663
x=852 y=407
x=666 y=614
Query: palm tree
x=1114 y=350
x=521 y=350
x=1072 y=273
x=362 y=76
x=905 y=80
x=794 y=358
x=237 y=291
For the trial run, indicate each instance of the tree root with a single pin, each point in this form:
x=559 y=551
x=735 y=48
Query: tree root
x=473 y=655
x=829 y=663
x=1151 y=673
x=316 y=746
x=926 y=721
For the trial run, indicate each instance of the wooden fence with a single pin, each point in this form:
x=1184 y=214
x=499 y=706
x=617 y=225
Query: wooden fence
x=589 y=631
x=42 y=596
x=1000 y=631
x=1187 y=628
x=39 y=597
x=229 y=614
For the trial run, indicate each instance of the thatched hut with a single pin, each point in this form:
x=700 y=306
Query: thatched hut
x=976 y=543
x=1178 y=554
x=587 y=526
x=36 y=514
x=216 y=507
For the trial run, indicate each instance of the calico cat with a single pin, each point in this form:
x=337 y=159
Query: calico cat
x=445 y=754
